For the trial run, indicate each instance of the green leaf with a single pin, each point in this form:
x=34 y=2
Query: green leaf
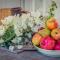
x=9 y=34
x=52 y=8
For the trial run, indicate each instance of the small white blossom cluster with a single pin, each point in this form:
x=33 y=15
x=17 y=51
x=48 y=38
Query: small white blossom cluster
x=2 y=30
x=21 y=23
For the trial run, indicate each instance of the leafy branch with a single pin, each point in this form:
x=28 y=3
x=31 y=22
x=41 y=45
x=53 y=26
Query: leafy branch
x=52 y=9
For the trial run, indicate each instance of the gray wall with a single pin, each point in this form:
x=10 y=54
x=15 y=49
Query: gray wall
x=33 y=4
x=9 y=3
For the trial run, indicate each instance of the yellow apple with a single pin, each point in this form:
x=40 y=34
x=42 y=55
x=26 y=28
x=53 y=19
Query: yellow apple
x=36 y=39
x=52 y=23
x=56 y=34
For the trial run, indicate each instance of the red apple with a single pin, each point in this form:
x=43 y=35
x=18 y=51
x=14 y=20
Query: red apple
x=57 y=47
x=58 y=42
x=56 y=33
x=47 y=43
x=52 y=23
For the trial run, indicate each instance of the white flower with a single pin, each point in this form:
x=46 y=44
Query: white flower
x=2 y=30
x=7 y=20
x=35 y=29
x=17 y=30
x=17 y=40
x=1 y=40
x=17 y=25
x=24 y=25
x=17 y=21
x=30 y=22
x=25 y=16
x=36 y=14
x=37 y=20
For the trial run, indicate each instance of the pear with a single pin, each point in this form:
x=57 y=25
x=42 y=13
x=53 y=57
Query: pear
x=44 y=32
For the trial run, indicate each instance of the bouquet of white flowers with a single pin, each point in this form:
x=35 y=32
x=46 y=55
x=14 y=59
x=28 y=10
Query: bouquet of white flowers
x=19 y=29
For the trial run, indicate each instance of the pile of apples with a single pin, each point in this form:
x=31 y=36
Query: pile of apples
x=48 y=37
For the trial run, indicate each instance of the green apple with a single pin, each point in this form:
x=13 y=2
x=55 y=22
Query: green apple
x=44 y=32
